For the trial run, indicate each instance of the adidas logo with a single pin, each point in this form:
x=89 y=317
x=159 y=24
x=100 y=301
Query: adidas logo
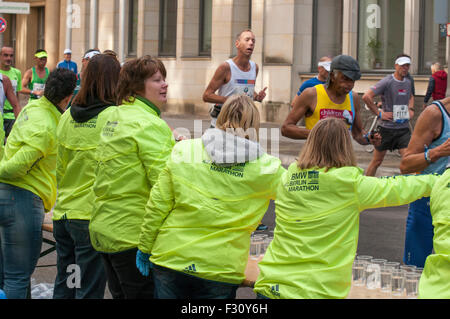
x=275 y=290
x=190 y=269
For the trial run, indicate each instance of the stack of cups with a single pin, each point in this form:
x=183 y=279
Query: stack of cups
x=389 y=277
x=411 y=280
x=386 y=275
x=373 y=273
x=256 y=246
x=359 y=269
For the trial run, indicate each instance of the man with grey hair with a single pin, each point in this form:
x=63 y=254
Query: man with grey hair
x=323 y=70
x=335 y=98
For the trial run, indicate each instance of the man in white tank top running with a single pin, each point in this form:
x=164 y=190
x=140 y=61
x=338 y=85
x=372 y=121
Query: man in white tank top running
x=234 y=76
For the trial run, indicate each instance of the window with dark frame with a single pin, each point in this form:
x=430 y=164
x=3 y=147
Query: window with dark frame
x=433 y=38
x=167 y=27
x=381 y=33
x=132 y=27
x=41 y=28
x=327 y=30
x=205 y=27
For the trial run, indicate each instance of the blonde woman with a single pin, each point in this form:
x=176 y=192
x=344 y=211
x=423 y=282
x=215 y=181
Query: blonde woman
x=437 y=84
x=317 y=207
x=208 y=200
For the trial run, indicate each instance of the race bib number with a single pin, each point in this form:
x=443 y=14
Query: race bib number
x=401 y=113
x=38 y=87
x=246 y=87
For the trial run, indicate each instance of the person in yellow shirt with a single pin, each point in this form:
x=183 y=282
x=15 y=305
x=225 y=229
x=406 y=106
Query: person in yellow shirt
x=78 y=134
x=28 y=182
x=317 y=208
x=335 y=99
x=207 y=202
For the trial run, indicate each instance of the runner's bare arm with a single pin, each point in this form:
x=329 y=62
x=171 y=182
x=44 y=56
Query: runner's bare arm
x=411 y=107
x=11 y=96
x=221 y=77
x=358 y=133
x=25 y=81
x=427 y=128
x=368 y=98
x=262 y=94
x=300 y=107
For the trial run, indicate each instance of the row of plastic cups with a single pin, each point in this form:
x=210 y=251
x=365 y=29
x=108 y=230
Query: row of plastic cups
x=259 y=244
x=390 y=277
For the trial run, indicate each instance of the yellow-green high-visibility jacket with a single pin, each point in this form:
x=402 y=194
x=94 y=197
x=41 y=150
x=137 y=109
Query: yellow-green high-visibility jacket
x=134 y=147
x=201 y=215
x=29 y=161
x=317 y=227
x=435 y=280
x=2 y=138
x=75 y=168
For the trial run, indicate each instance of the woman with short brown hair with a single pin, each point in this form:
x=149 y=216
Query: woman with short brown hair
x=134 y=147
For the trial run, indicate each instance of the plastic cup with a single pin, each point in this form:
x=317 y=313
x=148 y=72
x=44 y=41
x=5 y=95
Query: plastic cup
x=408 y=268
x=380 y=262
x=372 y=276
x=386 y=278
x=364 y=257
x=397 y=282
x=419 y=270
x=412 y=284
x=392 y=264
x=358 y=269
x=264 y=238
x=256 y=246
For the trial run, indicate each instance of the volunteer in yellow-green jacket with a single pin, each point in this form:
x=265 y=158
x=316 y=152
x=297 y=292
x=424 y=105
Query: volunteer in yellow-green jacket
x=317 y=208
x=78 y=135
x=208 y=200
x=28 y=182
x=134 y=147
x=435 y=280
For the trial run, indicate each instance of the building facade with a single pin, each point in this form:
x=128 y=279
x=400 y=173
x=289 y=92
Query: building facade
x=193 y=37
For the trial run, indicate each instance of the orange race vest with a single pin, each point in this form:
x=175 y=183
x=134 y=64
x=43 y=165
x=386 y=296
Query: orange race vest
x=326 y=108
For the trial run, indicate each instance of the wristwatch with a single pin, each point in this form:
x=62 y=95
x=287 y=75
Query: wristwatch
x=427 y=156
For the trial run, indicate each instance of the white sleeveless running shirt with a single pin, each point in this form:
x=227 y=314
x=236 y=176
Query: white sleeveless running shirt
x=240 y=81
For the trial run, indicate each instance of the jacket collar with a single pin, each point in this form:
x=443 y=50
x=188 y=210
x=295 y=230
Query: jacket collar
x=139 y=100
x=53 y=108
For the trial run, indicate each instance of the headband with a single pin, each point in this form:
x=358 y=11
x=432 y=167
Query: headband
x=403 y=60
x=91 y=54
x=41 y=55
x=325 y=65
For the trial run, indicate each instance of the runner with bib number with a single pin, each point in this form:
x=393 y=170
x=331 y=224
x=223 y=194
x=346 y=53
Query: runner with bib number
x=398 y=108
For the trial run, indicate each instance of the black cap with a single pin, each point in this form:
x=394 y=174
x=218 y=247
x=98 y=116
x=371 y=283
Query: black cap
x=347 y=65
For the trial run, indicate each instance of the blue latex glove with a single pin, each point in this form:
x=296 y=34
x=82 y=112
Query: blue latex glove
x=143 y=263
x=2 y=294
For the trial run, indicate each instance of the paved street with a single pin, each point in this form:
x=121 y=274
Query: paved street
x=381 y=230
